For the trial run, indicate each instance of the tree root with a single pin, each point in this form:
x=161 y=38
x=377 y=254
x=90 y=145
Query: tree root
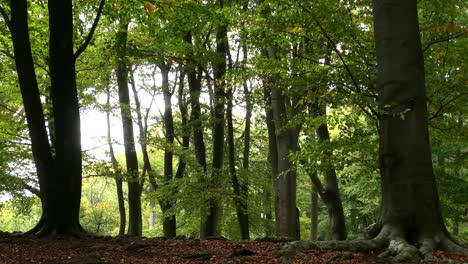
x=391 y=238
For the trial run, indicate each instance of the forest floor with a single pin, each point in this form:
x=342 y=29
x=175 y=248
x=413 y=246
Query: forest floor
x=116 y=250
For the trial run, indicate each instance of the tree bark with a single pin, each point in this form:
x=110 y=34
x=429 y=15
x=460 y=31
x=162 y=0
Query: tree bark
x=134 y=193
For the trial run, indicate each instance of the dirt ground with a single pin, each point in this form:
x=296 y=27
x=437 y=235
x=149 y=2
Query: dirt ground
x=116 y=250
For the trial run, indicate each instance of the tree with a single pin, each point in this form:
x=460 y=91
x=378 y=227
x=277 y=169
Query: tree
x=59 y=171
x=134 y=188
x=411 y=223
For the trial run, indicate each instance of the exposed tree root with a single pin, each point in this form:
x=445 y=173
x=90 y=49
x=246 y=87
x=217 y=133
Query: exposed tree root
x=43 y=229
x=391 y=238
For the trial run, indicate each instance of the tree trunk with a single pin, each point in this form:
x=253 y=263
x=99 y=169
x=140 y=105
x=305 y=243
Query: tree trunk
x=184 y=123
x=239 y=199
x=285 y=181
x=313 y=213
x=210 y=225
x=196 y=122
x=246 y=153
x=330 y=191
x=143 y=131
x=134 y=198
x=117 y=171
x=169 y=222
x=41 y=149
x=272 y=149
x=410 y=202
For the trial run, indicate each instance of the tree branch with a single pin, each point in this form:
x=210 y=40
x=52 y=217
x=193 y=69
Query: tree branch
x=6 y=18
x=448 y=38
x=91 y=32
x=32 y=189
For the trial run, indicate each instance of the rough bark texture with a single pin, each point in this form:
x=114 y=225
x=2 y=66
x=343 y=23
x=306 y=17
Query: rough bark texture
x=134 y=198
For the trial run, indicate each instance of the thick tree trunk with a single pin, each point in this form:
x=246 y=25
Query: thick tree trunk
x=60 y=179
x=134 y=198
x=410 y=203
x=117 y=171
x=330 y=191
x=41 y=149
x=411 y=222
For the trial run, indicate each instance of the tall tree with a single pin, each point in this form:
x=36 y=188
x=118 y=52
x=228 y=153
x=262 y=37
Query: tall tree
x=411 y=224
x=169 y=221
x=210 y=226
x=134 y=193
x=410 y=202
x=59 y=175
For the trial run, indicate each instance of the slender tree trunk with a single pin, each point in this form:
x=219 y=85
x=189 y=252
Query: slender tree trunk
x=184 y=123
x=272 y=148
x=169 y=222
x=196 y=122
x=246 y=153
x=117 y=171
x=330 y=191
x=143 y=129
x=210 y=225
x=313 y=213
x=239 y=199
x=134 y=199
